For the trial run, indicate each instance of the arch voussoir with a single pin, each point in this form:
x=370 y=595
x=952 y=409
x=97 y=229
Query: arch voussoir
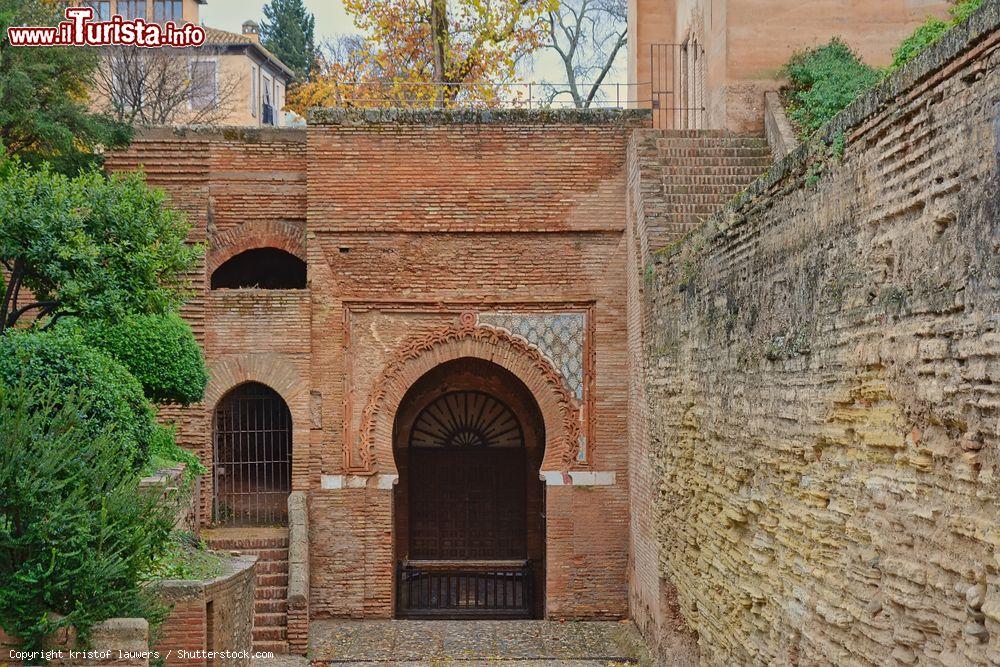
x=414 y=358
x=252 y=235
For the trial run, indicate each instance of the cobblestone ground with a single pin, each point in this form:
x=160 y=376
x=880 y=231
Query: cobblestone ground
x=524 y=643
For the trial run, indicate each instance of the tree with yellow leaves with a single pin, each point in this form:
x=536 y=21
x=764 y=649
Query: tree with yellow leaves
x=433 y=53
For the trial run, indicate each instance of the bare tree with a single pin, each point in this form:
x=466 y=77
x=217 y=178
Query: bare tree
x=588 y=36
x=164 y=86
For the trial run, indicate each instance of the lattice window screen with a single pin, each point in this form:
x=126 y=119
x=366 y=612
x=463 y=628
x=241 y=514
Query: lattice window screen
x=560 y=337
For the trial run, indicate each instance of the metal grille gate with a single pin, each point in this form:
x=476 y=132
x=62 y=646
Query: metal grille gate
x=252 y=460
x=467 y=513
x=677 y=78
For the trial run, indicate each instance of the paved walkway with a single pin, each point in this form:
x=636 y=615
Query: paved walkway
x=464 y=643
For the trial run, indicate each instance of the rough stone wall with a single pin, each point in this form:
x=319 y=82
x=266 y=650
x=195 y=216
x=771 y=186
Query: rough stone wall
x=822 y=363
x=675 y=180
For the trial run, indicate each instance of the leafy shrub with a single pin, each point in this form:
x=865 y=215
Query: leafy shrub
x=188 y=558
x=164 y=452
x=77 y=538
x=823 y=81
x=924 y=36
x=930 y=32
x=159 y=350
x=93 y=246
x=61 y=363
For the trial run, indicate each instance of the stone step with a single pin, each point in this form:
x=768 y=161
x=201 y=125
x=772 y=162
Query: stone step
x=270 y=620
x=270 y=606
x=270 y=554
x=248 y=544
x=271 y=646
x=266 y=580
x=666 y=156
x=269 y=635
x=272 y=593
x=272 y=566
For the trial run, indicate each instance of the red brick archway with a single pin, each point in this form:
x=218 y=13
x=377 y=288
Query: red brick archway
x=416 y=357
x=256 y=234
x=282 y=376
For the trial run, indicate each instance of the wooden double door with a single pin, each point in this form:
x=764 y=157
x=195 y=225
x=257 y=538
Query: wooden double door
x=467 y=504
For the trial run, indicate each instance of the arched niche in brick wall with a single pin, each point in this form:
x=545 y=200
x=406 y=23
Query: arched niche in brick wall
x=277 y=373
x=419 y=355
x=285 y=236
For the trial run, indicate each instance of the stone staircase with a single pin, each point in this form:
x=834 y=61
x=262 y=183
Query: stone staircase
x=270 y=545
x=689 y=175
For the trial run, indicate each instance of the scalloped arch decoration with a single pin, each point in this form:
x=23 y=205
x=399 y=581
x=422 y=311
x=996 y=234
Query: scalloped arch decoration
x=420 y=354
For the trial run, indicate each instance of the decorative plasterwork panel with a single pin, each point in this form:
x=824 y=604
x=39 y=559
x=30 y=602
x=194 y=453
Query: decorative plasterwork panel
x=559 y=336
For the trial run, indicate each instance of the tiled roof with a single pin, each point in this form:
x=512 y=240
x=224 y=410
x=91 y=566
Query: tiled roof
x=216 y=37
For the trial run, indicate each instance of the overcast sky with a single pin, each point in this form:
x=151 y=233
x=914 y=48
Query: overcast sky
x=331 y=19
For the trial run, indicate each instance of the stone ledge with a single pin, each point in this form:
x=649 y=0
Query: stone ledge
x=250 y=135
x=577 y=478
x=179 y=589
x=626 y=118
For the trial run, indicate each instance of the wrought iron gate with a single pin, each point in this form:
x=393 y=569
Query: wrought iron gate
x=486 y=590
x=252 y=460
x=677 y=78
x=467 y=513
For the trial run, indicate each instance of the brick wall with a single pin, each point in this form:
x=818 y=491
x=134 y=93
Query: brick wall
x=407 y=221
x=240 y=189
x=210 y=616
x=451 y=214
x=821 y=370
x=123 y=642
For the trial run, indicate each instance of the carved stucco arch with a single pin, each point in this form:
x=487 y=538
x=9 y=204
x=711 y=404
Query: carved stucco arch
x=285 y=236
x=412 y=360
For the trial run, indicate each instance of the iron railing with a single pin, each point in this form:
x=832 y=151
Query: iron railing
x=384 y=93
x=427 y=589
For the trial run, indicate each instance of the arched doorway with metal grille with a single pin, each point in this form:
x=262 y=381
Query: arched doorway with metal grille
x=469 y=530
x=252 y=457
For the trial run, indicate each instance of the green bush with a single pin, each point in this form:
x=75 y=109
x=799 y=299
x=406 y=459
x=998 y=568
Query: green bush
x=823 y=81
x=63 y=363
x=77 y=537
x=164 y=452
x=159 y=350
x=92 y=246
x=930 y=32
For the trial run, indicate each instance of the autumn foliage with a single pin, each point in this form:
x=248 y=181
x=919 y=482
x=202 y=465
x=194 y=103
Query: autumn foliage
x=434 y=53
